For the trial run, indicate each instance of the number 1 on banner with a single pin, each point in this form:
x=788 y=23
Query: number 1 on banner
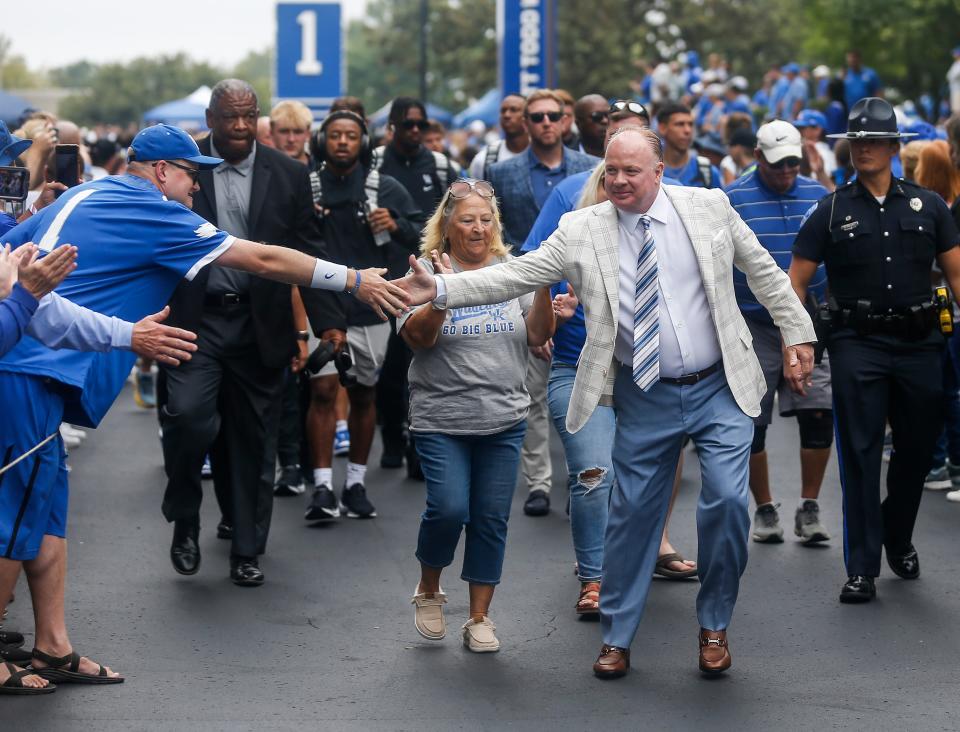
x=308 y=65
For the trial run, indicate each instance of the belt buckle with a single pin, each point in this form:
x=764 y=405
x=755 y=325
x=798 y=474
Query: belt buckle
x=231 y=298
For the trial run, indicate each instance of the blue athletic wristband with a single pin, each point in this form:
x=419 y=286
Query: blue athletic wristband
x=356 y=285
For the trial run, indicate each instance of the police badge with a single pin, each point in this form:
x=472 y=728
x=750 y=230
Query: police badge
x=916 y=204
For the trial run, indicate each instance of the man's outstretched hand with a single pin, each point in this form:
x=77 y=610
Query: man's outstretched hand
x=419 y=284
x=152 y=339
x=383 y=296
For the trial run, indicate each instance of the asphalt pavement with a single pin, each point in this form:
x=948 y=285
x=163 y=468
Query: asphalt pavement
x=328 y=642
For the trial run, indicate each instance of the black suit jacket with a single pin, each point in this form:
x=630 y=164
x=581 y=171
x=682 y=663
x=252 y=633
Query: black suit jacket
x=281 y=212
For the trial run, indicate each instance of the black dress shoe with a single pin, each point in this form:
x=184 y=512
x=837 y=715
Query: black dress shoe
x=184 y=551
x=858 y=588
x=224 y=529
x=245 y=572
x=537 y=503
x=11 y=638
x=904 y=564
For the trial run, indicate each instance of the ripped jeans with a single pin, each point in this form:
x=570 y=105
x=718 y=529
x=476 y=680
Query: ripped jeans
x=590 y=471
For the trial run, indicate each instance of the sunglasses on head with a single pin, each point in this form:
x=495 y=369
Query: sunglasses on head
x=627 y=105
x=465 y=186
x=788 y=162
x=420 y=124
x=538 y=117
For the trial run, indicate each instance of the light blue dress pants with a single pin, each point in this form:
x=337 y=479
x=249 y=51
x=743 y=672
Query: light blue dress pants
x=650 y=430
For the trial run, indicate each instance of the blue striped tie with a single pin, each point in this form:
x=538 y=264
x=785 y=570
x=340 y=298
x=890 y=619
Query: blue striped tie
x=646 y=316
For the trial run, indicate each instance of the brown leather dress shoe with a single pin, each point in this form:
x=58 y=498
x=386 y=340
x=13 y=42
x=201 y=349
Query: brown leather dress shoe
x=714 y=653
x=612 y=663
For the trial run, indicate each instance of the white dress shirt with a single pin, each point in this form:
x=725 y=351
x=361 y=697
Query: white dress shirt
x=688 y=336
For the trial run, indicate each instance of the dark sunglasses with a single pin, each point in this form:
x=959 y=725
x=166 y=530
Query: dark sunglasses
x=465 y=186
x=598 y=117
x=538 y=117
x=790 y=162
x=633 y=107
x=420 y=124
x=194 y=173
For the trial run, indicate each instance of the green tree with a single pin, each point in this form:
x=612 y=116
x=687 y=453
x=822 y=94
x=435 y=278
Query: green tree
x=74 y=76
x=257 y=69
x=14 y=73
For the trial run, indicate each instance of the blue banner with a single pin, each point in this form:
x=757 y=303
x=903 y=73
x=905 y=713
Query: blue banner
x=526 y=45
x=309 y=57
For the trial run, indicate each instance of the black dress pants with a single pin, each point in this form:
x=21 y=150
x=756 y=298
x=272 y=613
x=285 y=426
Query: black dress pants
x=875 y=379
x=224 y=400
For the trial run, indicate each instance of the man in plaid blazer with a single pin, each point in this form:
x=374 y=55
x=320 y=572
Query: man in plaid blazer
x=706 y=380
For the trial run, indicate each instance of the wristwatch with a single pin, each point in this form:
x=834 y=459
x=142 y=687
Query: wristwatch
x=303 y=335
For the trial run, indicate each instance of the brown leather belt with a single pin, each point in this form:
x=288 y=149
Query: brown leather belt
x=692 y=378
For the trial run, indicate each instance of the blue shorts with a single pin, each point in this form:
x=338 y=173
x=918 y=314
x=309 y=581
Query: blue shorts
x=33 y=493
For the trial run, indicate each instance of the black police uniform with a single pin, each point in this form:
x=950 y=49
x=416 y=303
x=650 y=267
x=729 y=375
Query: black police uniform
x=885 y=357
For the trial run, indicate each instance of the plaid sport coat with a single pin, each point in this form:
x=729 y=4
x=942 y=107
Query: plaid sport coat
x=585 y=251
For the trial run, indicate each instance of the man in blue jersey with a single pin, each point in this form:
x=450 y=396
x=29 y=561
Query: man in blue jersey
x=772 y=200
x=137 y=238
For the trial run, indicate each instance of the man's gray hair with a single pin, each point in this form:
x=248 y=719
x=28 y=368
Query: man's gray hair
x=231 y=87
x=650 y=137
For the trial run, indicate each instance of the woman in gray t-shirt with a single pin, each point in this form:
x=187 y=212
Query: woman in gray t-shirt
x=468 y=409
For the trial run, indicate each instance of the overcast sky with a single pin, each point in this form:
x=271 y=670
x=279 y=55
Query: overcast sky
x=219 y=31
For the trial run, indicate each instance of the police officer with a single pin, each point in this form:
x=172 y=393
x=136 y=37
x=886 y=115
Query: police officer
x=878 y=237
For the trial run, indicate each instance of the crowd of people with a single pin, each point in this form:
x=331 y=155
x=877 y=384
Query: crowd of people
x=641 y=273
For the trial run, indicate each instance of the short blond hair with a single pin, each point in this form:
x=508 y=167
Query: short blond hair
x=291 y=111
x=541 y=94
x=434 y=236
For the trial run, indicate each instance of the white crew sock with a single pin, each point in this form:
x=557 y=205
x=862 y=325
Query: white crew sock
x=355 y=474
x=323 y=476
x=341 y=425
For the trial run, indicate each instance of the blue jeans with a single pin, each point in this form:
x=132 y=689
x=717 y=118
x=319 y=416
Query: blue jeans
x=470 y=482
x=586 y=450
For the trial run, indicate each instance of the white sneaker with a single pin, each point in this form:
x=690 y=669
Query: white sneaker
x=69 y=440
x=428 y=616
x=76 y=432
x=479 y=637
x=953 y=496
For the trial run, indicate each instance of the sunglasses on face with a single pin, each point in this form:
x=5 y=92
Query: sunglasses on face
x=599 y=117
x=420 y=124
x=465 y=186
x=194 y=173
x=790 y=162
x=633 y=107
x=538 y=117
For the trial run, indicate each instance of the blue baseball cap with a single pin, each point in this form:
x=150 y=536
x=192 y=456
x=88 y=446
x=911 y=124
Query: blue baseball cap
x=810 y=118
x=791 y=68
x=11 y=146
x=166 y=142
x=922 y=130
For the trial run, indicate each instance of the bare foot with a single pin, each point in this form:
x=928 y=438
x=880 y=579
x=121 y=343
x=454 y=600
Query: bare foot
x=31 y=681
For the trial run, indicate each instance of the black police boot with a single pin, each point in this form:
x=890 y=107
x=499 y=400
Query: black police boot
x=905 y=564
x=858 y=588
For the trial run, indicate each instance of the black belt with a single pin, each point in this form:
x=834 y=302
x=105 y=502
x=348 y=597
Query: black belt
x=692 y=378
x=222 y=299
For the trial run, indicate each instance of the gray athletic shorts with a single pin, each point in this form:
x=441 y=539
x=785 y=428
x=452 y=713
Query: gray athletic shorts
x=767 y=345
x=367 y=345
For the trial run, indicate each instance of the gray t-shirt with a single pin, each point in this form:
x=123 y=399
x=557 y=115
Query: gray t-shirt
x=471 y=381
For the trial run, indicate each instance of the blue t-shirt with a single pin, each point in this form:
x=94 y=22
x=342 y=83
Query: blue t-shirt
x=690 y=174
x=7 y=222
x=777 y=92
x=134 y=246
x=796 y=91
x=775 y=218
x=860 y=84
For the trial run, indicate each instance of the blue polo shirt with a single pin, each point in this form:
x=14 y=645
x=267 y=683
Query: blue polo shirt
x=860 y=84
x=775 y=218
x=134 y=246
x=544 y=179
x=690 y=175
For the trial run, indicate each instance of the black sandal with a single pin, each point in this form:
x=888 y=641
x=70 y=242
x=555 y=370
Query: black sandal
x=66 y=670
x=14 y=685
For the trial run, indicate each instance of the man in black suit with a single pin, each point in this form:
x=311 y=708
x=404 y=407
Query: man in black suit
x=246 y=337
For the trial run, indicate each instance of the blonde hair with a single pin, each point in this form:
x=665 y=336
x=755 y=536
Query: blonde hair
x=541 y=94
x=590 y=196
x=434 y=236
x=291 y=111
x=910 y=156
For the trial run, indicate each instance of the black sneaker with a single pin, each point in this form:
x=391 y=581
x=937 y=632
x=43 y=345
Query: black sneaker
x=290 y=482
x=354 y=502
x=537 y=503
x=323 y=505
x=858 y=589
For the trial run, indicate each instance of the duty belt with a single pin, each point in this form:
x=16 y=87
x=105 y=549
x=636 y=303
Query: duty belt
x=914 y=323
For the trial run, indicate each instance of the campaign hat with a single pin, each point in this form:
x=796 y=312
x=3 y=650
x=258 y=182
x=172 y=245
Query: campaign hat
x=166 y=142
x=872 y=118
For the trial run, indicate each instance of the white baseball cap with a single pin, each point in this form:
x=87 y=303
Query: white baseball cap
x=778 y=140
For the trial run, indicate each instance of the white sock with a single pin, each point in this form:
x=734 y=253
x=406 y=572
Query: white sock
x=355 y=474
x=341 y=425
x=323 y=476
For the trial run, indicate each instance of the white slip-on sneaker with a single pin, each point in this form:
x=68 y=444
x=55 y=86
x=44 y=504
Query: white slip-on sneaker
x=428 y=616
x=479 y=637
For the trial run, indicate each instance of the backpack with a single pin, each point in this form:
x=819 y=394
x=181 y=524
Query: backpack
x=371 y=188
x=492 y=155
x=704 y=170
x=440 y=162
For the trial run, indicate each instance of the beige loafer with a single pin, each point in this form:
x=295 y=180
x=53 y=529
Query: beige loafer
x=479 y=636
x=428 y=615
